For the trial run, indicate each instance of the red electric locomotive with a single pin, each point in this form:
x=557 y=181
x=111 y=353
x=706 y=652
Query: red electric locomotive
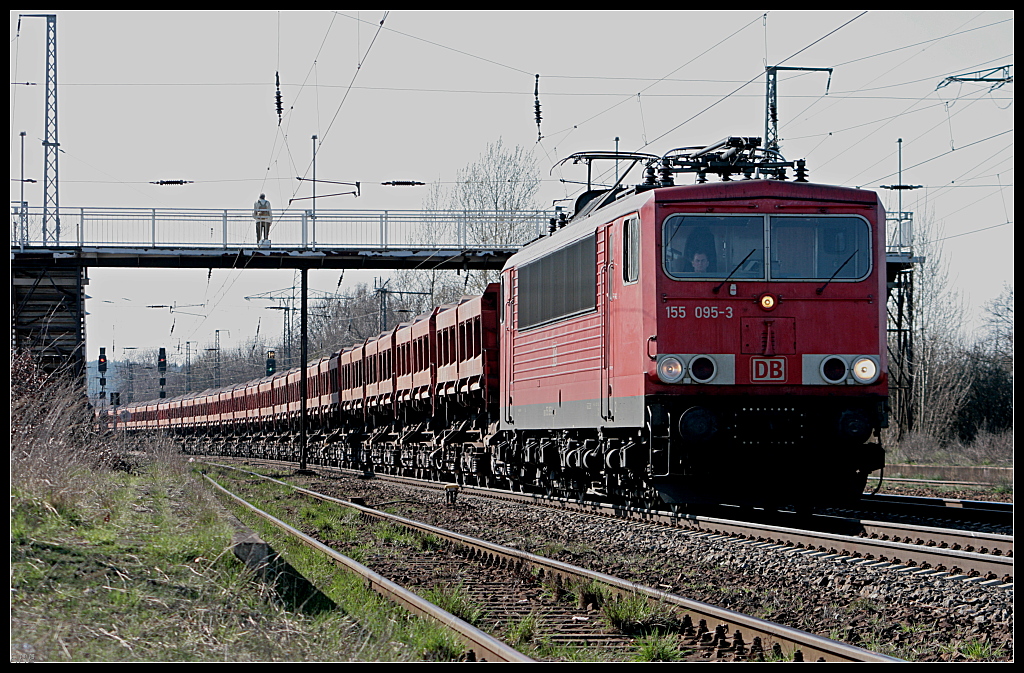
x=719 y=342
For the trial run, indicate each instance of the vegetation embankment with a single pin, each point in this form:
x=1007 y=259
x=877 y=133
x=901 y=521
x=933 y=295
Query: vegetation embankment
x=119 y=553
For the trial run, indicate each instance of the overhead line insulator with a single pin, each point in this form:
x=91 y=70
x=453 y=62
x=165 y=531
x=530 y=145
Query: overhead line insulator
x=280 y=106
x=536 y=104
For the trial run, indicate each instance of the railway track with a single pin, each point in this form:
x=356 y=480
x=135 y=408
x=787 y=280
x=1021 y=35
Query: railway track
x=936 y=552
x=700 y=630
x=481 y=645
x=939 y=552
x=996 y=514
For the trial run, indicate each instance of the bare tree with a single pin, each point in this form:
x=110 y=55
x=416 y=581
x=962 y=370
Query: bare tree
x=503 y=181
x=999 y=325
x=340 y=321
x=942 y=380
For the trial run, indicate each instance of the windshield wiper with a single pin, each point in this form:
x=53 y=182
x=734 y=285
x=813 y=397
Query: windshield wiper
x=822 y=288
x=735 y=269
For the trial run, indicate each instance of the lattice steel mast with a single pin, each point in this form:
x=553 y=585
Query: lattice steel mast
x=51 y=147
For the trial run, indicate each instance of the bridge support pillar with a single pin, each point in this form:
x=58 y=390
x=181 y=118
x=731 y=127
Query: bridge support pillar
x=48 y=313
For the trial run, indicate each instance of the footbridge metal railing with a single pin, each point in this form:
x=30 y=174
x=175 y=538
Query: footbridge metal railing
x=235 y=228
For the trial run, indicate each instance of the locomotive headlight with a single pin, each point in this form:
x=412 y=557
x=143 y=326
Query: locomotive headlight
x=833 y=369
x=670 y=369
x=865 y=369
x=702 y=369
x=767 y=301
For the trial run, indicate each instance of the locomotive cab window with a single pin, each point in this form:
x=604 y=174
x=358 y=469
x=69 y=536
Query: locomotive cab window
x=820 y=248
x=703 y=246
x=631 y=249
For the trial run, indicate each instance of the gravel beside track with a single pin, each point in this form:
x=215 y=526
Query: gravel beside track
x=990 y=493
x=900 y=613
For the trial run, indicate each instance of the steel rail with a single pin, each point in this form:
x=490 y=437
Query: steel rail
x=794 y=642
x=484 y=646
x=942 y=506
x=947 y=559
x=953 y=561
x=996 y=567
x=993 y=544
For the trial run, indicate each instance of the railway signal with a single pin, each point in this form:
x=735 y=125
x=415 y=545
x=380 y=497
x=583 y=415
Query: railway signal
x=271 y=363
x=161 y=365
x=102 y=367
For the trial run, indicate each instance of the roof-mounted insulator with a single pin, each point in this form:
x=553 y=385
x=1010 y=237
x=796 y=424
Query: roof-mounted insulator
x=801 y=170
x=650 y=175
x=666 y=173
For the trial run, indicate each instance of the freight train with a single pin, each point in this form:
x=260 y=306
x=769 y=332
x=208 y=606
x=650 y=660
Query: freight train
x=717 y=342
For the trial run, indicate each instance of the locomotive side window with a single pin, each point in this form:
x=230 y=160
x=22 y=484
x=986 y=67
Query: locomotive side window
x=820 y=248
x=631 y=249
x=704 y=246
x=573 y=270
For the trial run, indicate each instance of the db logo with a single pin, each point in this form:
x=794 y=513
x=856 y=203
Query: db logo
x=768 y=369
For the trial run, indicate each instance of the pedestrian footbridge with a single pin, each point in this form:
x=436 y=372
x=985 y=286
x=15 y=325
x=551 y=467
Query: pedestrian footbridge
x=52 y=250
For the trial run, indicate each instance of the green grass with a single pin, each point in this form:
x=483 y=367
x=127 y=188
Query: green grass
x=636 y=614
x=522 y=631
x=398 y=635
x=454 y=599
x=971 y=650
x=143 y=573
x=659 y=648
x=117 y=566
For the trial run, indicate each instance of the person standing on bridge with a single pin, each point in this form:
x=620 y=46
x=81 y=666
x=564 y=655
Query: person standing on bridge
x=262 y=214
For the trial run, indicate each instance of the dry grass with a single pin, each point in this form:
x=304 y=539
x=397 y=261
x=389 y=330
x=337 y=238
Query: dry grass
x=54 y=453
x=986 y=450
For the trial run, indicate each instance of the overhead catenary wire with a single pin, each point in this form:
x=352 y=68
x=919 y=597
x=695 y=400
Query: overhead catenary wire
x=877 y=76
x=237 y=275
x=650 y=95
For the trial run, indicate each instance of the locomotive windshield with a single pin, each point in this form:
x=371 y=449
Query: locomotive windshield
x=701 y=246
x=820 y=248
x=799 y=247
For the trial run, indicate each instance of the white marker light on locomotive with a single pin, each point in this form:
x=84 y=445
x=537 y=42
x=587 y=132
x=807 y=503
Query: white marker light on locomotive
x=767 y=302
x=865 y=370
x=670 y=369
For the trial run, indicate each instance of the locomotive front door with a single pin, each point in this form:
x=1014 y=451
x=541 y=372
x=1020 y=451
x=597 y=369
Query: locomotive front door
x=605 y=288
x=508 y=333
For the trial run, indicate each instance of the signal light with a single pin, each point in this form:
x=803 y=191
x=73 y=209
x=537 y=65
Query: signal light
x=271 y=363
x=103 y=361
x=161 y=361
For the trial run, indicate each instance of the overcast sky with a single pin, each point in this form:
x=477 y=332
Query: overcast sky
x=147 y=96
